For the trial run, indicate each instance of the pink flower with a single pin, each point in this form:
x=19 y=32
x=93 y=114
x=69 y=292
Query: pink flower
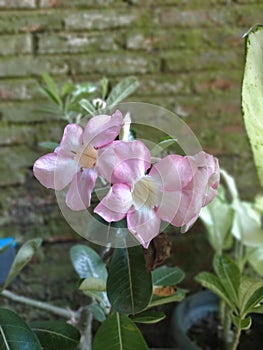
x=74 y=161
x=174 y=190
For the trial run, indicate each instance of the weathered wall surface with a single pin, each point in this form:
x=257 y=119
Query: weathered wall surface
x=187 y=54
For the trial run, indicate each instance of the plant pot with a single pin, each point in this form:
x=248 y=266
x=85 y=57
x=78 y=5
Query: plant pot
x=188 y=312
x=7 y=256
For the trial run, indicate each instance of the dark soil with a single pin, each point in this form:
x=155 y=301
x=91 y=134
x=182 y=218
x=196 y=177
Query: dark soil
x=206 y=334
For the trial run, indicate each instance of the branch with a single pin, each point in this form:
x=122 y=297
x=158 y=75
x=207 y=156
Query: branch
x=59 y=311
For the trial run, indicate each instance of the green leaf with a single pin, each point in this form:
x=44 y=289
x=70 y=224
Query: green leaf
x=230 y=183
x=15 y=334
x=213 y=283
x=229 y=276
x=217 y=218
x=97 y=311
x=122 y=90
x=250 y=294
x=51 y=90
x=23 y=256
x=119 y=332
x=100 y=297
x=67 y=89
x=167 y=276
x=149 y=317
x=93 y=283
x=54 y=335
x=247 y=224
x=254 y=256
x=177 y=296
x=241 y=323
x=129 y=285
x=257 y=309
x=87 y=262
x=86 y=88
x=252 y=94
x=104 y=87
x=88 y=106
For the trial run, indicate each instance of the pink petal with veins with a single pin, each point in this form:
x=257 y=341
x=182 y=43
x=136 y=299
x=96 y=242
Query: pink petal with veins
x=124 y=162
x=79 y=193
x=144 y=224
x=102 y=129
x=51 y=173
x=115 y=205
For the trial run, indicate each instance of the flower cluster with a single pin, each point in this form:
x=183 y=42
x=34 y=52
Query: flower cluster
x=174 y=189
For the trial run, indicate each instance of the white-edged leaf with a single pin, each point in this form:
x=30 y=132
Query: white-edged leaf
x=252 y=94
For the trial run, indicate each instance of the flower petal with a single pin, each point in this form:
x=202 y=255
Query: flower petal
x=50 y=170
x=169 y=205
x=144 y=224
x=124 y=162
x=102 y=129
x=169 y=170
x=115 y=205
x=199 y=191
x=71 y=140
x=81 y=187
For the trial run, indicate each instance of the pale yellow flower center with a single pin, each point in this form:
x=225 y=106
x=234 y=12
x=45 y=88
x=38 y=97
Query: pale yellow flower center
x=86 y=156
x=146 y=193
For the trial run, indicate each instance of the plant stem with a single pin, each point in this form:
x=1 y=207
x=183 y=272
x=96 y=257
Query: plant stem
x=226 y=323
x=236 y=339
x=86 y=333
x=59 y=311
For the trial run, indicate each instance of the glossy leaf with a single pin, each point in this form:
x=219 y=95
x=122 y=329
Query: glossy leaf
x=100 y=297
x=54 y=335
x=119 y=332
x=122 y=90
x=87 y=262
x=15 y=334
x=129 y=285
x=229 y=276
x=167 y=276
x=23 y=256
x=97 y=312
x=149 y=317
x=252 y=94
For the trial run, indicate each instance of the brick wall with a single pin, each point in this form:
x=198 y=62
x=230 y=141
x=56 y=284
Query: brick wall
x=188 y=56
